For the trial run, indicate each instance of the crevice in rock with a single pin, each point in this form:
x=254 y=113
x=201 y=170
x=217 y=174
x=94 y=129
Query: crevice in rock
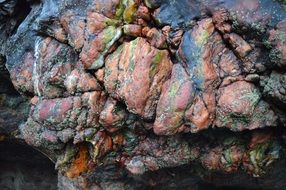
x=22 y=167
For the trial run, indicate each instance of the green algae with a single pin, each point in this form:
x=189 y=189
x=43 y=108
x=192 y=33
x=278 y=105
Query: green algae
x=130 y=9
x=263 y=155
x=110 y=35
x=154 y=64
x=275 y=55
x=202 y=38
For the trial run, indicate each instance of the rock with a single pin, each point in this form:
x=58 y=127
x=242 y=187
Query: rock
x=240 y=107
x=79 y=81
x=201 y=113
x=156 y=38
x=113 y=116
x=132 y=30
x=175 y=14
x=277 y=39
x=160 y=152
x=51 y=67
x=136 y=69
x=153 y=94
x=177 y=94
x=274 y=88
x=240 y=46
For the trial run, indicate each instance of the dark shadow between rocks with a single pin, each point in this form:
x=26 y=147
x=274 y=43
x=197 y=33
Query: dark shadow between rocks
x=22 y=168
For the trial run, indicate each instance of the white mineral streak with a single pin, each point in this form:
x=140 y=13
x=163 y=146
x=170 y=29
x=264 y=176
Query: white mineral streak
x=37 y=67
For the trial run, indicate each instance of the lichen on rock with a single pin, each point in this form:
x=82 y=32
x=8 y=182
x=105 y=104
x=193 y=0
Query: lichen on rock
x=119 y=93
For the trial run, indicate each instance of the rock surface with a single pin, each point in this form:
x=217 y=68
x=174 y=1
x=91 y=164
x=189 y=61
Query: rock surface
x=148 y=94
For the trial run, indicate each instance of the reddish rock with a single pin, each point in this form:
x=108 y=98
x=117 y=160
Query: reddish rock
x=74 y=25
x=239 y=108
x=102 y=143
x=135 y=72
x=97 y=46
x=108 y=8
x=143 y=13
x=211 y=160
x=72 y=111
x=240 y=46
x=173 y=37
x=79 y=81
x=94 y=101
x=196 y=51
x=201 y=114
x=112 y=116
x=79 y=164
x=177 y=94
x=99 y=74
x=156 y=38
x=220 y=19
x=132 y=30
x=51 y=67
x=101 y=33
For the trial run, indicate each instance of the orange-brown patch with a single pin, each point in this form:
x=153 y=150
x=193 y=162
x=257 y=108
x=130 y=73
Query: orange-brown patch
x=79 y=165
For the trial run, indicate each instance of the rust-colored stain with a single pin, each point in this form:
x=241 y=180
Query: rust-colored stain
x=79 y=165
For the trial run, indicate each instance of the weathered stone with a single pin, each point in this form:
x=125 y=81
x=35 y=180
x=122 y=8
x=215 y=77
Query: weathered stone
x=277 y=39
x=107 y=102
x=159 y=153
x=112 y=116
x=240 y=107
x=275 y=89
x=135 y=72
x=177 y=94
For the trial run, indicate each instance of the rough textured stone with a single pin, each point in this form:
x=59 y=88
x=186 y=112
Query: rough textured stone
x=147 y=94
x=135 y=73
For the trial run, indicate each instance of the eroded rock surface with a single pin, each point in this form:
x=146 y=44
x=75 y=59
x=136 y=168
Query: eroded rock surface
x=117 y=91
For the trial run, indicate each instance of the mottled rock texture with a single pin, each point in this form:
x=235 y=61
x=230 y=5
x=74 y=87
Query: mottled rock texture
x=148 y=94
